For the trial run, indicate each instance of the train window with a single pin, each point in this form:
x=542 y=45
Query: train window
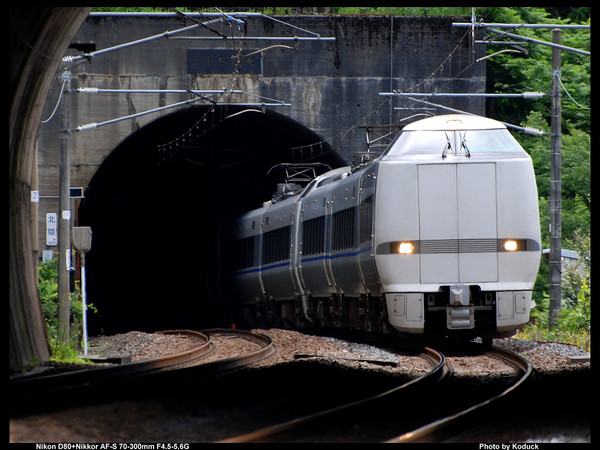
x=342 y=230
x=276 y=245
x=313 y=236
x=417 y=142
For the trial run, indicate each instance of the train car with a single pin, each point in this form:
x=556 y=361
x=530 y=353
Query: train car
x=439 y=236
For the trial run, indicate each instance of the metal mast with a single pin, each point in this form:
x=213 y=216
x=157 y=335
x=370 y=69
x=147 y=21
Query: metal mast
x=555 y=185
x=64 y=217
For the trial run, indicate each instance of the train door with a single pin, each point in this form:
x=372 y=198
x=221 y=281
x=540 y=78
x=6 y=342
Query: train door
x=328 y=240
x=366 y=258
x=313 y=232
x=457 y=223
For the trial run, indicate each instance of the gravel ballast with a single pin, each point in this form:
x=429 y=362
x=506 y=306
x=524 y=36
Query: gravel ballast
x=96 y=422
x=291 y=345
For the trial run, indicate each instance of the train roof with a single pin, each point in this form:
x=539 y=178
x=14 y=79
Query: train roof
x=448 y=122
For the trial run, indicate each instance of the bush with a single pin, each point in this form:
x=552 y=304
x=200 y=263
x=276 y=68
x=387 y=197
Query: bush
x=573 y=325
x=48 y=292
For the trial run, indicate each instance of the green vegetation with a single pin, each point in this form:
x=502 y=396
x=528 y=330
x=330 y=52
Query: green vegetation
x=48 y=290
x=573 y=325
x=405 y=11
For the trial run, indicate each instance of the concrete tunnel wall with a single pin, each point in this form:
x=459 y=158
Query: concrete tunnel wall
x=155 y=213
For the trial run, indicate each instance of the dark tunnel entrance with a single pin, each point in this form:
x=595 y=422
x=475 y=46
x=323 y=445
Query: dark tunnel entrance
x=155 y=210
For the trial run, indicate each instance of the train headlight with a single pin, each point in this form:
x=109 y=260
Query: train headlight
x=406 y=248
x=510 y=245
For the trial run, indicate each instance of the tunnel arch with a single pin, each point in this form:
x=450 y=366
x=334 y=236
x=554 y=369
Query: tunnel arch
x=155 y=211
x=37 y=40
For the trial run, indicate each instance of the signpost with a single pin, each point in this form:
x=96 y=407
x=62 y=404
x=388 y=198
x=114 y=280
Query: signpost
x=82 y=241
x=51 y=229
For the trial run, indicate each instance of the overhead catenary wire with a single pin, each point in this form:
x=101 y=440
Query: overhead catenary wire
x=257 y=38
x=508 y=50
x=526 y=95
x=204 y=24
x=519 y=25
x=94 y=125
x=166 y=34
x=538 y=41
x=95 y=90
x=559 y=78
x=62 y=89
x=527 y=130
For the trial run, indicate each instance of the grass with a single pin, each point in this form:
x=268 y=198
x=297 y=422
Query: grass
x=533 y=332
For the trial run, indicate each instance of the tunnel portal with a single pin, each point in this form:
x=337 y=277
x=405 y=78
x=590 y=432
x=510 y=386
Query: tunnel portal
x=156 y=202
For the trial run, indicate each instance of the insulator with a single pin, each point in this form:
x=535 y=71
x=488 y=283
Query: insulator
x=88 y=126
x=533 y=131
x=533 y=94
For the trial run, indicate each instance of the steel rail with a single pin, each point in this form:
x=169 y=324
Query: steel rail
x=31 y=390
x=432 y=431
x=36 y=385
x=266 y=349
x=277 y=433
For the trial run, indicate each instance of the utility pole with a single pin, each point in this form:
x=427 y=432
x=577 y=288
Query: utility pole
x=555 y=185
x=64 y=206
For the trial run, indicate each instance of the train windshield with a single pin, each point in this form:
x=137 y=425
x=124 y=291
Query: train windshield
x=454 y=142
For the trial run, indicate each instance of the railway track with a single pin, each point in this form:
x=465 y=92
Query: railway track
x=203 y=360
x=336 y=424
x=291 y=430
x=381 y=417
x=264 y=343
x=453 y=423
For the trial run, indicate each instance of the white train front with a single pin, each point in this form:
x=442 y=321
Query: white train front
x=438 y=236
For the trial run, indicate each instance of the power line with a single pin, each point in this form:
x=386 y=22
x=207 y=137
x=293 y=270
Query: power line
x=526 y=95
x=520 y=25
x=538 y=41
x=527 y=130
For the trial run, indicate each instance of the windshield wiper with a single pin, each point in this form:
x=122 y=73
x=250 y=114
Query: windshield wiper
x=463 y=144
x=447 y=147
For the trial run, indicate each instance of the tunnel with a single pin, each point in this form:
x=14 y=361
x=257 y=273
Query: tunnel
x=156 y=203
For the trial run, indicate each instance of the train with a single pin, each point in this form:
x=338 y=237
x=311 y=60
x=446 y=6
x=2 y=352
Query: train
x=438 y=236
